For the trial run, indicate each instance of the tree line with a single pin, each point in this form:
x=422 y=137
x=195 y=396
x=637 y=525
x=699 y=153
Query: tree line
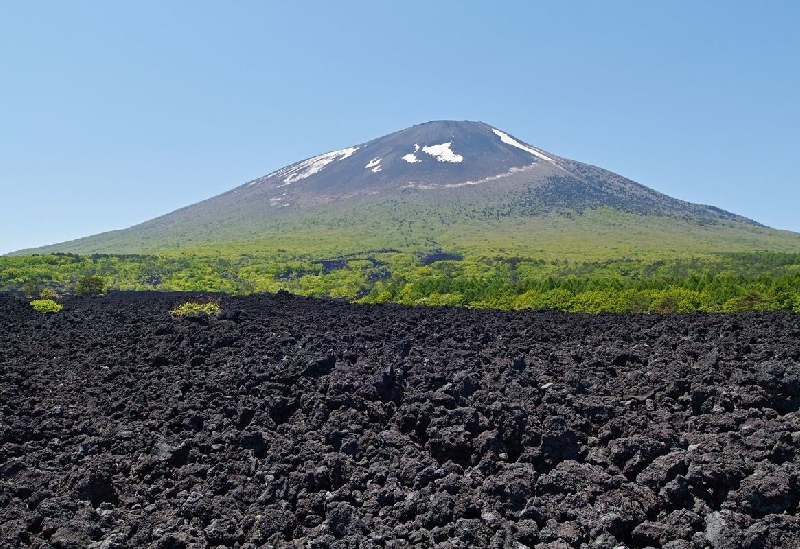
x=761 y=281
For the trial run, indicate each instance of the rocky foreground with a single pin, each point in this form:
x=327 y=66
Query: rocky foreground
x=293 y=422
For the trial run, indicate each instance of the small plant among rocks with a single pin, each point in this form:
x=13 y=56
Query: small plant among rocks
x=48 y=293
x=34 y=290
x=193 y=308
x=46 y=306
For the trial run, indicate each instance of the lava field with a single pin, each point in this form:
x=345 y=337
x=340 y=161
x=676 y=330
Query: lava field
x=296 y=422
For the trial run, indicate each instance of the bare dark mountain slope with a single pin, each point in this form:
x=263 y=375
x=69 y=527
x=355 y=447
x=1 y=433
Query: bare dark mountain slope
x=456 y=157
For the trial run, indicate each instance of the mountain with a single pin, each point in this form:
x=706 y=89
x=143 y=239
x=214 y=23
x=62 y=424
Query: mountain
x=439 y=184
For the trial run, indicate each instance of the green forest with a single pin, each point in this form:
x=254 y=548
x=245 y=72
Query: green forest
x=725 y=282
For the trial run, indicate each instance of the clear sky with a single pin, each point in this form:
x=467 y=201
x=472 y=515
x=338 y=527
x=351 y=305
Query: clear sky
x=112 y=113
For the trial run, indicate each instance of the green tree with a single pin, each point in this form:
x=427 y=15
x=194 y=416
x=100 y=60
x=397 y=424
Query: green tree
x=32 y=289
x=90 y=285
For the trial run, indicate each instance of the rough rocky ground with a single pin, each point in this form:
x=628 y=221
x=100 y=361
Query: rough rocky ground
x=293 y=422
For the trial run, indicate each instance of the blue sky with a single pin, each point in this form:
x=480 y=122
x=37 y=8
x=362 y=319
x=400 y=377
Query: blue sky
x=112 y=113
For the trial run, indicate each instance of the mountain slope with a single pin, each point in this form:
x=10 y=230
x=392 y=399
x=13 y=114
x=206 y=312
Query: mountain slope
x=424 y=186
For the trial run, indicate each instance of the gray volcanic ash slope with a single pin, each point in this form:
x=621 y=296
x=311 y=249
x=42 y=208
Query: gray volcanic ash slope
x=444 y=155
x=437 y=154
x=291 y=422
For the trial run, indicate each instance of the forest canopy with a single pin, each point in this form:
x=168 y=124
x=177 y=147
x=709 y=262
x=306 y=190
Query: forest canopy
x=762 y=281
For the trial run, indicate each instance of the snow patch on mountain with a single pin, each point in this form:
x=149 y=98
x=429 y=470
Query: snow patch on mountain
x=508 y=140
x=442 y=153
x=374 y=165
x=411 y=158
x=430 y=186
x=309 y=167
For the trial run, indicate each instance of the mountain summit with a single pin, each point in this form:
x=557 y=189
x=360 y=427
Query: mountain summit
x=446 y=156
x=409 y=188
x=433 y=155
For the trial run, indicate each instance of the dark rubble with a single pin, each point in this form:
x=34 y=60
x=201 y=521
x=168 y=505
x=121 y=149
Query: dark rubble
x=295 y=422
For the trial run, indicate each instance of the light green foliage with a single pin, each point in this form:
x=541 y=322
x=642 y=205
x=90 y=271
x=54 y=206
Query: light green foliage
x=191 y=308
x=494 y=278
x=45 y=306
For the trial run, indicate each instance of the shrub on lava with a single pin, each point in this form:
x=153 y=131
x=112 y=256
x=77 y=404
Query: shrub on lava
x=193 y=308
x=48 y=293
x=32 y=289
x=90 y=285
x=46 y=306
